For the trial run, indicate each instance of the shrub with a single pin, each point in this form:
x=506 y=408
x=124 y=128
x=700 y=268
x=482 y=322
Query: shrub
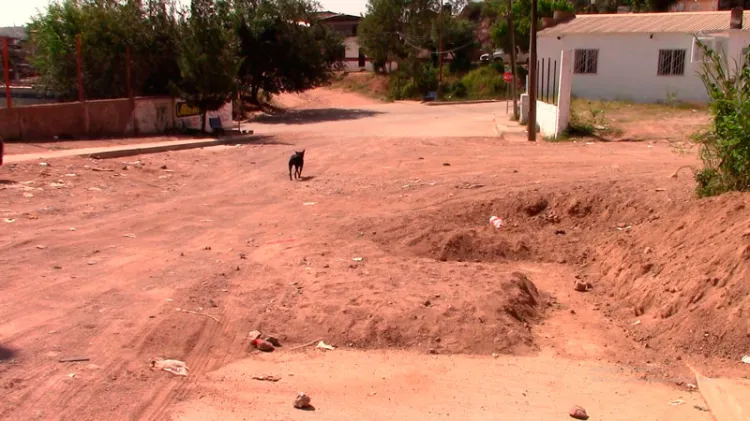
x=725 y=147
x=484 y=82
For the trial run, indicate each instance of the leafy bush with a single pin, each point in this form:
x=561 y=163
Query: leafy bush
x=725 y=147
x=484 y=82
x=459 y=90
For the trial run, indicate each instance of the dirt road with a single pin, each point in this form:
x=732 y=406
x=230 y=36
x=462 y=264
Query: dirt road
x=383 y=246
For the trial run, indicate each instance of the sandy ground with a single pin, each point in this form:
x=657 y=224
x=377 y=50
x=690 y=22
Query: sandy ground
x=383 y=250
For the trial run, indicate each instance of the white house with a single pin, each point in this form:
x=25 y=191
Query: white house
x=347 y=26
x=643 y=57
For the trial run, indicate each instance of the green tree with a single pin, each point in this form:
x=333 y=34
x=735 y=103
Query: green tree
x=284 y=47
x=379 y=32
x=107 y=30
x=207 y=57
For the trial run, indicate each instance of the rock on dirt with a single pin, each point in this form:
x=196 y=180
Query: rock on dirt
x=578 y=413
x=262 y=345
x=302 y=401
x=581 y=286
x=255 y=334
x=274 y=341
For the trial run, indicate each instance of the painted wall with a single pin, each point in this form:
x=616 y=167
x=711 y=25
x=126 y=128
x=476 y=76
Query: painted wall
x=627 y=65
x=194 y=121
x=117 y=117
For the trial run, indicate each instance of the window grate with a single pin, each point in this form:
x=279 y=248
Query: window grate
x=586 y=61
x=671 y=63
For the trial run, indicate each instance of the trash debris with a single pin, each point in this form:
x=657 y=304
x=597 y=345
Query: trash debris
x=357 y=259
x=262 y=345
x=677 y=402
x=41 y=247
x=625 y=228
x=72 y=228
x=44 y=164
x=325 y=346
x=274 y=341
x=746 y=359
x=661 y=189
x=73 y=359
x=265 y=378
x=496 y=222
x=176 y=367
x=309 y=203
x=9 y=220
x=446 y=164
x=700 y=408
x=129 y=235
x=578 y=413
x=71 y=375
x=302 y=401
x=255 y=334
x=691 y=386
x=635 y=323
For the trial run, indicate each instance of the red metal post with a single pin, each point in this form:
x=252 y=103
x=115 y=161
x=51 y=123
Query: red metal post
x=6 y=64
x=79 y=68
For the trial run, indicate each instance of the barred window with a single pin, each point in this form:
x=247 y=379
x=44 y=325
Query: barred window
x=671 y=63
x=586 y=61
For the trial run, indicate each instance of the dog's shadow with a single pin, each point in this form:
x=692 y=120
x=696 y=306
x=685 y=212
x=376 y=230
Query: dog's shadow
x=306 y=178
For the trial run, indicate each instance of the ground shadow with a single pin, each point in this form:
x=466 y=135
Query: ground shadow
x=7 y=353
x=7 y=182
x=316 y=116
x=306 y=178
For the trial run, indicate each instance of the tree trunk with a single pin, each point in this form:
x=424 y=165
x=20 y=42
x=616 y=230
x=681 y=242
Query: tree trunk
x=254 y=89
x=203 y=121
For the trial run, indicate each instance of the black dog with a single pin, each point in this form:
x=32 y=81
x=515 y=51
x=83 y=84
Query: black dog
x=297 y=161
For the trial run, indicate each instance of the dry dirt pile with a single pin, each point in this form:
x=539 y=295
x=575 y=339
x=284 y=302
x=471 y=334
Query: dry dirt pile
x=674 y=269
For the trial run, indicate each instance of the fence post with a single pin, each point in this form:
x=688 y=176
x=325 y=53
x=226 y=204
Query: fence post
x=565 y=86
x=6 y=73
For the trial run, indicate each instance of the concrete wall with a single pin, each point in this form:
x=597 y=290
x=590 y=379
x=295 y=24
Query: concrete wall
x=627 y=65
x=553 y=119
x=116 y=117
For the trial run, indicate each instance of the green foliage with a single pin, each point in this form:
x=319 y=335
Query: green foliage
x=725 y=147
x=280 y=54
x=484 y=82
x=207 y=57
x=107 y=30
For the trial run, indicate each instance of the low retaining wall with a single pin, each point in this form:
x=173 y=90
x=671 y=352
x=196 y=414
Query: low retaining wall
x=112 y=117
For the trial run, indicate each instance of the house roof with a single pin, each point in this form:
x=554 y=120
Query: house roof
x=338 y=17
x=16 y=32
x=683 y=22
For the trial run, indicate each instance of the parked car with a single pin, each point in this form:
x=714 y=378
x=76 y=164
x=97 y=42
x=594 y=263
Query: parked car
x=496 y=55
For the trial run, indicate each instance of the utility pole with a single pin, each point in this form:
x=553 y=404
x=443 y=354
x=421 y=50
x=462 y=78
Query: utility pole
x=514 y=84
x=440 y=49
x=6 y=75
x=532 y=75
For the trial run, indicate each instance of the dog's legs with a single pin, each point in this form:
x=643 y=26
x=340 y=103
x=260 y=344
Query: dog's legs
x=299 y=175
x=290 y=170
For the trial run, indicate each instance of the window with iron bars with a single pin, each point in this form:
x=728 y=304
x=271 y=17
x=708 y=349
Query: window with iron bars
x=586 y=62
x=671 y=63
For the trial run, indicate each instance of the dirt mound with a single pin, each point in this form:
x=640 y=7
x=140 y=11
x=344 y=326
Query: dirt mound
x=674 y=263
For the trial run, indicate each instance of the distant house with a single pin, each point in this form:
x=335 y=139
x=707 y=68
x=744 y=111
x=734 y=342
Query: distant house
x=706 y=5
x=644 y=57
x=17 y=46
x=347 y=25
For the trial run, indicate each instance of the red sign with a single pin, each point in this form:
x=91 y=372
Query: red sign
x=508 y=76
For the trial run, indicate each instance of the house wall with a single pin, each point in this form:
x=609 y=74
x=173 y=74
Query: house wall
x=627 y=65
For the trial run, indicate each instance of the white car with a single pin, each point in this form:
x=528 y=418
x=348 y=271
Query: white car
x=496 y=55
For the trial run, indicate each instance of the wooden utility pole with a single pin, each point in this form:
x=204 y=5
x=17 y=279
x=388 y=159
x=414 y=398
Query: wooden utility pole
x=514 y=83
x=6 y=73
x=532 y=75
x=440 y=49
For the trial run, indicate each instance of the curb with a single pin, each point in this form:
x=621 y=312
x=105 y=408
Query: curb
x=479 y=101
x=167 y=148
